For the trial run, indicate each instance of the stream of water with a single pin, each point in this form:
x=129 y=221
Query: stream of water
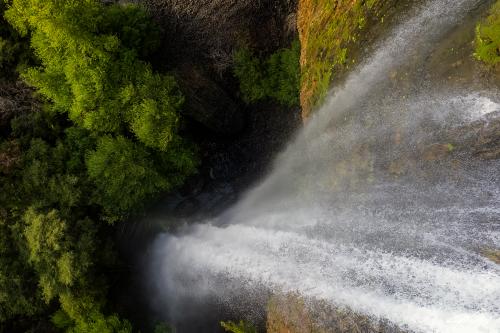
x=382 y=204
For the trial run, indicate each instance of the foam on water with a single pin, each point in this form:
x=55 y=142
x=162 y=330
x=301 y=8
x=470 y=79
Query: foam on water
x=479 y=106
x=424 y=295
x=374 y=207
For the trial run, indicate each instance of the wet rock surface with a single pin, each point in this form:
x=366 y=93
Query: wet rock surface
x=229 y=166
x=207 y=103
x=291 y=314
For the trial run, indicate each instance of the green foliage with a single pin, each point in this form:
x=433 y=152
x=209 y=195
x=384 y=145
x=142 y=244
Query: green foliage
x=18 y=295
x=153 y=114
x=162 y=328
x=249 y=70
x=61 y=319
x=52 y=176
x=64 y=255
x=14 y=49
x=54 y=236
x=91 y=67
x=488 y=37
x=92 y=70
x=124 y=174
x=60 y=259
x=98 y=323
x=87 y=319
x=241 y=327
x=277 y=77
x=105 y=142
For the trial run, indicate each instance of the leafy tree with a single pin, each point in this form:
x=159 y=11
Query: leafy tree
x=94 y=322
x=14 y=49
x=284 y=75
x=60 y=259
x=18 y=294
x=124 y=174
x=152 y=117
x=488 y=37
x=249 y=70
x=98 y=323
x=105 y=141
x=277 y=77
x=64 y=259
x=51 y=176
x=91 y=67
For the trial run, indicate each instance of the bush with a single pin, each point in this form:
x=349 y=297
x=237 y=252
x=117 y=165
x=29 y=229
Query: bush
x=488 y=37
x=277 y=77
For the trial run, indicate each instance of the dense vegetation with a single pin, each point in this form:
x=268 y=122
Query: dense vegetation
x=89 y=144
x=277 y=77
x=488 y=37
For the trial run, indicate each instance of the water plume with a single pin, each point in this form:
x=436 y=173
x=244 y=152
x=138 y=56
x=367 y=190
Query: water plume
x=382 y=204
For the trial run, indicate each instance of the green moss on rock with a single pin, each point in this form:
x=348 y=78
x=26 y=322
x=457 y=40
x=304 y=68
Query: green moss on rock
x=488 y=37
x=330 y=32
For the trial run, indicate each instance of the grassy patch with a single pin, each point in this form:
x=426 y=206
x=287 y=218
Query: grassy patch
x=330 y=32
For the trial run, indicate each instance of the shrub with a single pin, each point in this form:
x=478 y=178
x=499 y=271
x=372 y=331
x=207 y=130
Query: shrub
x=277 y=77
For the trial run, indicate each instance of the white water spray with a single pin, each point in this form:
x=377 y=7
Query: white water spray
x=380 y=205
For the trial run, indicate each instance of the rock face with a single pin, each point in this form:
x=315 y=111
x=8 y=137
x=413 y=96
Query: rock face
x=290 y=314
x=207 y=103
x=210 y=30
x=332 y=35
x=201 y=36
x=237 y=142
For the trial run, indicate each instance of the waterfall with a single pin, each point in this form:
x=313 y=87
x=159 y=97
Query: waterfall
x=381 y=204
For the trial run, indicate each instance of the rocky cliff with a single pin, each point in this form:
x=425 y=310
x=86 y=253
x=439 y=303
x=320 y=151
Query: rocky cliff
x=199 y=41
x=334 y=35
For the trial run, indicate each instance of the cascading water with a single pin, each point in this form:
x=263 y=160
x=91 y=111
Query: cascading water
x=381 y=205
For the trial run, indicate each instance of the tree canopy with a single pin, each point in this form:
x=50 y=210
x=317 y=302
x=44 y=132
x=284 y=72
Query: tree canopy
x=96 y=141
